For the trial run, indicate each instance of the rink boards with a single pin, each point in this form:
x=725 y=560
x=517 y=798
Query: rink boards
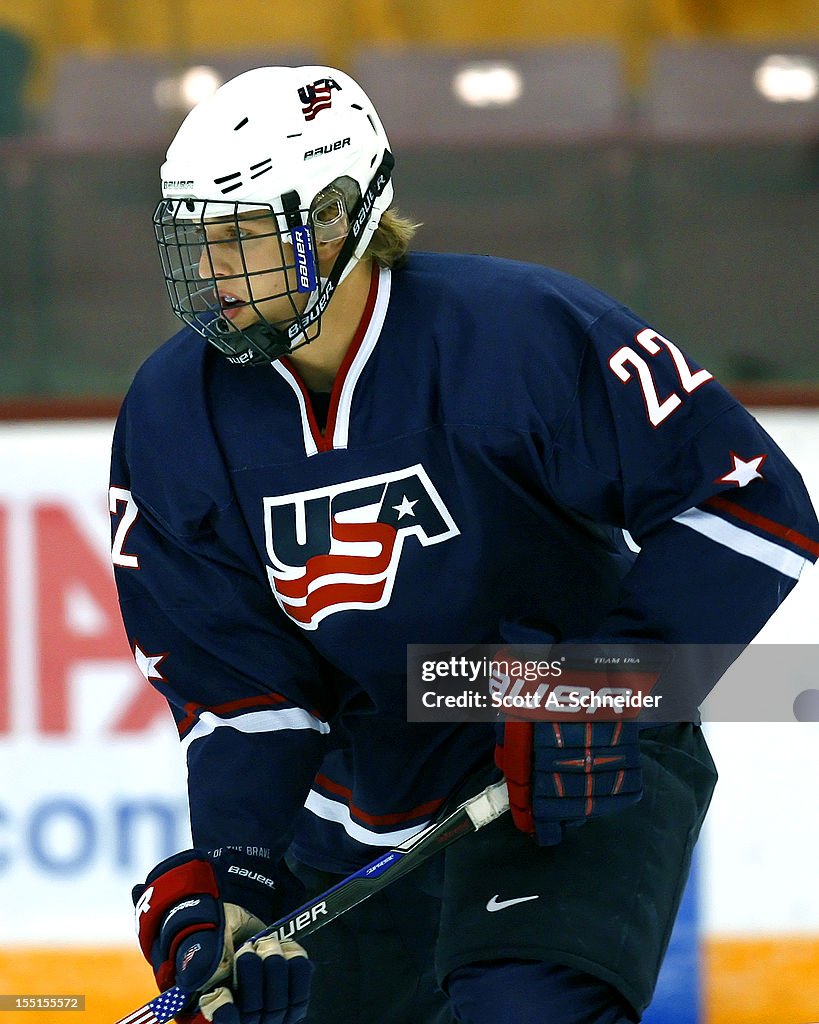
x=93 y=789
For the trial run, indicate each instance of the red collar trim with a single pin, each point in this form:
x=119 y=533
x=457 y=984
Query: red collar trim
x=324 y=442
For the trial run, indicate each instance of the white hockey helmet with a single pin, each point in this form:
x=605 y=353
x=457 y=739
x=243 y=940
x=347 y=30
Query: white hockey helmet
x=304 y=149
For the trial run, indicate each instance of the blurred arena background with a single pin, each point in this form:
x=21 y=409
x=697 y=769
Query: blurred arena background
x=665 y=150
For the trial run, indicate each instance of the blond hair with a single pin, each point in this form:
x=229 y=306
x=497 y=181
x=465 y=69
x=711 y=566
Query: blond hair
x=391 y=239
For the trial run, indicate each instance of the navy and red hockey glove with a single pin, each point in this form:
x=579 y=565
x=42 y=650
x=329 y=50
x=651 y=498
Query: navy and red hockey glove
x=194 y=917
x=561 y=774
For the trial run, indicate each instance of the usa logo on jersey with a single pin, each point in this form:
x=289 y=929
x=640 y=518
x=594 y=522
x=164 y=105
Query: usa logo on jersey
x=338 y=548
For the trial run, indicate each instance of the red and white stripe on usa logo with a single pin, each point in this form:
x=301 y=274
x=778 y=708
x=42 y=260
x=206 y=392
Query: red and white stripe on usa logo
x=159 y=1010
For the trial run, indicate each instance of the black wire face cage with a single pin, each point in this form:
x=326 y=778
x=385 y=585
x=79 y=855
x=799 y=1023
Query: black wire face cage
x=218 y=266
x=221 y=259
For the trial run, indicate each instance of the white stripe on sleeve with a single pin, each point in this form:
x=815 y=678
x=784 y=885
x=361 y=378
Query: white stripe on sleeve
x=744 y=542
x=269 y=720
x=331 y=810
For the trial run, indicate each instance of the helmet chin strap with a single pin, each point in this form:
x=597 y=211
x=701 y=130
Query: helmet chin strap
x=268 y=341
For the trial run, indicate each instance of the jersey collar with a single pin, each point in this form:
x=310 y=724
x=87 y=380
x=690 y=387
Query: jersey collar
x=337 y=431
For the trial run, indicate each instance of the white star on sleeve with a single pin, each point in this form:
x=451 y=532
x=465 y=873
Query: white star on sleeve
x=147 y=663
x=744 y=471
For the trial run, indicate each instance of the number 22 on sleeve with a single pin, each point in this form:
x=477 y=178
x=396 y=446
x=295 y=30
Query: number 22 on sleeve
x=626 y=359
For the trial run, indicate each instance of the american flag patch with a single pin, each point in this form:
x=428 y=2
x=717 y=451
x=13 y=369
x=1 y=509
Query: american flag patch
x=317 y=96
x=159 y=1010
x=190 y=955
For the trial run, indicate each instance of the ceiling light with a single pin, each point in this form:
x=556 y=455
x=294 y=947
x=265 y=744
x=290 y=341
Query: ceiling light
x=184 y=91
x=488 y=84
x=787 y=79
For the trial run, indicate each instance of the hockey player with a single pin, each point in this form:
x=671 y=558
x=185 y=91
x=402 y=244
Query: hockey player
x=351 y=447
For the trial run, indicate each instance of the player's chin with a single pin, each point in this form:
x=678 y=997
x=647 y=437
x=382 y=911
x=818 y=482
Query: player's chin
x=240 y=321
x=244 y=320
x=277 y=315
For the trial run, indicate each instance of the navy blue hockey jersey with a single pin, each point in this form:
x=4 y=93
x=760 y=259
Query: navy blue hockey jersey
x=494 y=429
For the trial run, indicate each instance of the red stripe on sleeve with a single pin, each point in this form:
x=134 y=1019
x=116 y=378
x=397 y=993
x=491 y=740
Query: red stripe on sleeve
x=195 y=710
x=768 y=525
x=376 y=820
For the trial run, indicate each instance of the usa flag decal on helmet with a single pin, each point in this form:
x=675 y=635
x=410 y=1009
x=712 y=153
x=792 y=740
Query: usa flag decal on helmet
x=317 y=96
x=338 y=548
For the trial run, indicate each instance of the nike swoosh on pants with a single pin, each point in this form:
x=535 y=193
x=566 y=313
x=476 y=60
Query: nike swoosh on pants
x=497 y=904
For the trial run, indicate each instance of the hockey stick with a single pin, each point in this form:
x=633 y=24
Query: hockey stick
x=471 y=815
